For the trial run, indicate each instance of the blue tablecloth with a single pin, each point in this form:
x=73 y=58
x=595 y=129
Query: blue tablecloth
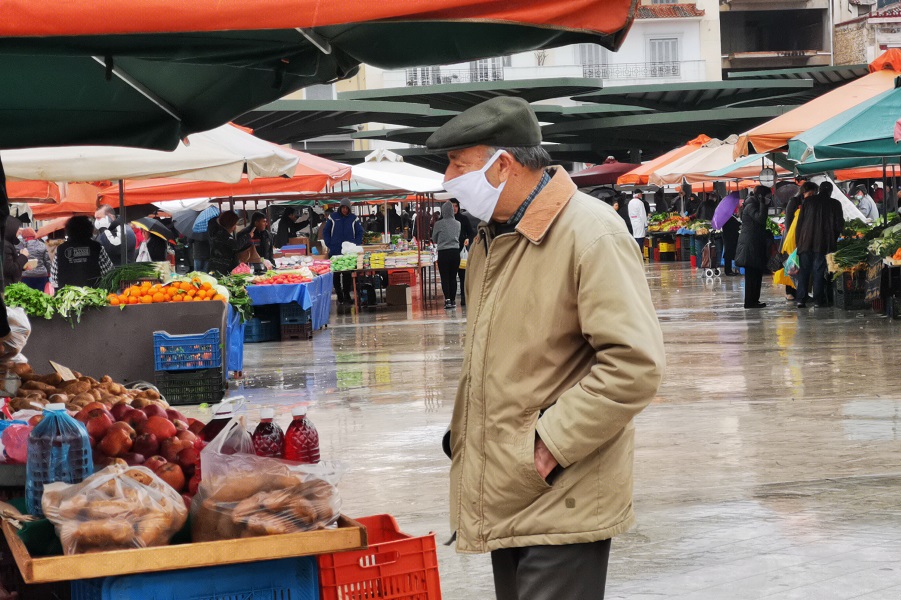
x=234 y=339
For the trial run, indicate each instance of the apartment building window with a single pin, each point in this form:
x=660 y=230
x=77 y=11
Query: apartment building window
x=423 y=76
x=593 y=59
x=489 y=69
x=663 y=56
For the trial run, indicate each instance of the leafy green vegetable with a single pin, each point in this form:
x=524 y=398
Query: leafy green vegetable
x=128 y=273
x=72 y=300
x=773 y=227
x=237 y=292
x=35 y=303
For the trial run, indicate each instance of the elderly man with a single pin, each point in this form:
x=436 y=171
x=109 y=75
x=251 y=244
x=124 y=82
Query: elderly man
x=562 y=350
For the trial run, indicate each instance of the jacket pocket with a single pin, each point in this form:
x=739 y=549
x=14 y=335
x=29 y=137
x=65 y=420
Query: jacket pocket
x=525 y=453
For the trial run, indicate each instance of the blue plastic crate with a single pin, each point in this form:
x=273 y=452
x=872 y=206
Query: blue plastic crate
x=293 y=313
x=261 y=330
x=286 y=579
x=183 y=352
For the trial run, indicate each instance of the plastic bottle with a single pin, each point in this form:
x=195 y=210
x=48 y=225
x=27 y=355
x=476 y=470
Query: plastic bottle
x=222 y=414
x=268 y=438
x=302 y=439
x=58 y=450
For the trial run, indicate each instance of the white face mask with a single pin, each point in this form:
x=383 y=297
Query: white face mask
x=475 y=193
x=102 y=223
x=858 y=198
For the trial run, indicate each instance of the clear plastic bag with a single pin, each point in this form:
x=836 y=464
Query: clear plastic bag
x=117 y=508
x=243 y=495
x=11 y=345
x=792 y=265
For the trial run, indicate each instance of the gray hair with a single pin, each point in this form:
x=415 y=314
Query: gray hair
x=531 y=157
x=107 y=210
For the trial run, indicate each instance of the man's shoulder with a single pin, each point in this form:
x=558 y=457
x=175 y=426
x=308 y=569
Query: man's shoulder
x=590 y=217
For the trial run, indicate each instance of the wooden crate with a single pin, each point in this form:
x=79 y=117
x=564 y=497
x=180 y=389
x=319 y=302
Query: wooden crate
x=348 y=535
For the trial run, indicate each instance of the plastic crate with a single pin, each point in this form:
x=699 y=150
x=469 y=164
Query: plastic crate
x=258 y=330
x=893 y=307
x=293 y=313
x=396 y=566
x=851 y=291
x=402 y=277
x=183 y=352
x=287 y=579
x=299 y=331
x=191 y=387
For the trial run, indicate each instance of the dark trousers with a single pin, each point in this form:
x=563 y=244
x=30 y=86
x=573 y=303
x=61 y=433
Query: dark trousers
x=813 y=266
x=36 y=283
x=461 y=273
x=730 y=244
x=343 y=286
x=448 y=266
x=572 y=572
x=640 y=242
x=753 y=283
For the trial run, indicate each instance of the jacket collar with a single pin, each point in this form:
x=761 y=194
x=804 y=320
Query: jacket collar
x=547 y=206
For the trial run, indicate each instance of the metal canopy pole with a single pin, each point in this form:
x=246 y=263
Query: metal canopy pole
x=884 y=189
x=124 y=238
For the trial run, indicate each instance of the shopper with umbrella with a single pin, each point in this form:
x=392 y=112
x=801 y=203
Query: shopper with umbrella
x=158 y=238
x=200 y=245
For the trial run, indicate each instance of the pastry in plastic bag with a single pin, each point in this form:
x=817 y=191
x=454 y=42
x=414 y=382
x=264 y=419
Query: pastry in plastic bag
x=117 y=508
x=243 y=495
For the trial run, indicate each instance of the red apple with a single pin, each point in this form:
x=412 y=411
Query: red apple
x=146 y=444
x=173 y=414
x=116 y=443
x=98 y=425
x=155 y=410
x=195 y=426
x=187 y=458
x=134 y=417
x=161 y=427
x=194 y=483
x=170 y=448
x=120 y=410
x=172 y=474
x=186 y=436
x=133 y=459
x=155 y=462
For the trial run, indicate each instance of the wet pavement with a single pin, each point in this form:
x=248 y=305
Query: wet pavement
x=769 y=466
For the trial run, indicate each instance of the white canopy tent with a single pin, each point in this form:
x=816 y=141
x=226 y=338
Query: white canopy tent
x=693 y=168
x=222 y=154
x=384 y=169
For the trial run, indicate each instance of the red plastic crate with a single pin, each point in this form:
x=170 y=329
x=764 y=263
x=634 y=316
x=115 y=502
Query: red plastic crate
x=396 y=566
x=402 y=277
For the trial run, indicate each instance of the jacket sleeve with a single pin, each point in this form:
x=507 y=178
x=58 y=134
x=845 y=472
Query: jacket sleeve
x=629 y=355
x=327 y=231
x=358 y=232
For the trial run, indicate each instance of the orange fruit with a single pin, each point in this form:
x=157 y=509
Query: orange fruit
x=192 y=292
x=198 y=299
x=146 y=299
x=219 y=297
x=123 y=299
x=206 y=286
x=114 y=301
x=201 y=294
x=178 y=298
x=145 y=285
x=159 y=297
x=133 y=300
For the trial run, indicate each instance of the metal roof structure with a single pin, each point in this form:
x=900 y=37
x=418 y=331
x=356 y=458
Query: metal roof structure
x=704 y=95
x=459 y=97
x=287 y=121
x=830 y=76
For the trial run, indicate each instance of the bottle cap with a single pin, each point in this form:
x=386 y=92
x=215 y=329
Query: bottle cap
x=300 y=411
x=56 y=406
x=267 y=413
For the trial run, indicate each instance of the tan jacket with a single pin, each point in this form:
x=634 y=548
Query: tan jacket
x=561 y=340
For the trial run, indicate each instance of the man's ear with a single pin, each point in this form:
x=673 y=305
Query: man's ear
x=505 y=164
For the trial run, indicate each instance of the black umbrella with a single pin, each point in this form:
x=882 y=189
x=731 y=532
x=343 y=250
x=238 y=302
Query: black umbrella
x=184 y=224
x=154 y=227
x=785 y=191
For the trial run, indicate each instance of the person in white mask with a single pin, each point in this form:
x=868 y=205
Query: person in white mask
x=562 y=350
x=109 y=234
x=865 y=203
x=638 y=216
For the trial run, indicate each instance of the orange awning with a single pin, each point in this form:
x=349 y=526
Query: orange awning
x=874 y=172
x=313 y=174
x=32 y=191
x=79 y=199
x=775 y=133
x=642 y=174
x=107 y=17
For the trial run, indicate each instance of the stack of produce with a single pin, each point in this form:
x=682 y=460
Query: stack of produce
x=193 y=290
x=859 y=240
x=344 y=262
x=377 y=260
x=69 y=302
x=321 y=267
x=276 y=278
x=665 y=223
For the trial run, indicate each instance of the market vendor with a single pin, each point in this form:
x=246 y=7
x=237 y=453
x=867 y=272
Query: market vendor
x=342 y=226
x=386 y=219
x=286 y=227
x=261 y=238
x=865 y=203
x=224 y=244
x=109 y=233
x=541 y=436
x=80 y=260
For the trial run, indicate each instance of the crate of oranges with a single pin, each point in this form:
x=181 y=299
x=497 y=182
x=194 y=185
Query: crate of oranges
x=146 y=292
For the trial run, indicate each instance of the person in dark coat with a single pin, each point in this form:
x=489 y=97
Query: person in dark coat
x=819 y=225
x=808 y=189
x=731 y=230
x=752 y=245
x=109 y=233
x=621 y=206
x=342 y=226
x=13 y=260
x=261 y=238
x=467 y=234
x=80 y=260
x=386 y=212
x=661 y=205
x=705 y=210
x=287 y=227
x=224 y=244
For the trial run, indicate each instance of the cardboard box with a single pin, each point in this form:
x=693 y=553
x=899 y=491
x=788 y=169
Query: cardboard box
x=297 y=241
x=399 y=295
x=348 y=535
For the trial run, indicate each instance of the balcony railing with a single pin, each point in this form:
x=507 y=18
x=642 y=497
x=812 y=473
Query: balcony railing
x=415 y=77
x=633 y=70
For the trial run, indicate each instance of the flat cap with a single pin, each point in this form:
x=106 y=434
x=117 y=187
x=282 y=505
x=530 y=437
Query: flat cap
x=502 y=121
